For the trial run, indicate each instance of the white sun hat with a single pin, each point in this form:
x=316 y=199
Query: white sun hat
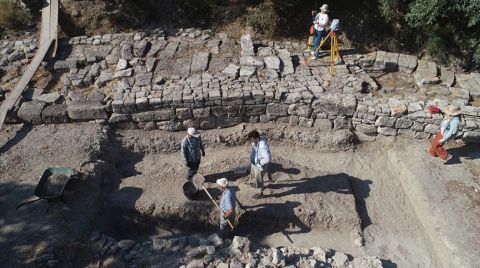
x=193 y=132
x=324 y=8
x=222 y=182
x=453 y=110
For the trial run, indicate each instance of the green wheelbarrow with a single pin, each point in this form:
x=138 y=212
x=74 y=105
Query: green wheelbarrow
x=51 y=185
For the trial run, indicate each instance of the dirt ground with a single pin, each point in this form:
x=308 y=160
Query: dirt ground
x=388 y=198
x=25 y=153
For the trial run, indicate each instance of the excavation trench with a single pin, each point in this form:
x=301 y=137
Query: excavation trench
x=349 y=201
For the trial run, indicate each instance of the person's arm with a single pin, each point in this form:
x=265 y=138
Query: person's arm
x=452 y=130
x=228 y=213
x=263 y=155
x=201 y=146
x=184 y=150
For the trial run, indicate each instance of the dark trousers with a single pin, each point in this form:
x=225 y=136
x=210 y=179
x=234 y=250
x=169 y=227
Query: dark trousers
x=192 y=169
x=225 y=229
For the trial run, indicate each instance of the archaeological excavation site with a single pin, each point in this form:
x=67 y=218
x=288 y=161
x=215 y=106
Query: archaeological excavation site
x=93 y=171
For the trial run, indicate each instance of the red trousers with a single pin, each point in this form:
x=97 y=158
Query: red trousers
x=437 y=149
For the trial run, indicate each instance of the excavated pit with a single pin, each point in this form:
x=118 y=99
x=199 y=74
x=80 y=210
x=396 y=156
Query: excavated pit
x=340 y=200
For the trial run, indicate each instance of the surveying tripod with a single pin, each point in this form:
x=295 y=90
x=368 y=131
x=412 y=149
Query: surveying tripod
x=334 y=50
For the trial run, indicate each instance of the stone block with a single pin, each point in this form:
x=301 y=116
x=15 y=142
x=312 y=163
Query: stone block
x=407 y=63
x=208 y=123
x=247 y=71
x=342 y=123
x=403 y=123
x=335 y=104
x=418 y=127
x=228 y=121
x=55 y=114
x=252 y=61
x=31 y=112
x=384 y=121
x=143 y=79
x=305 y=122
x=277 y=110
x=156 y=115
x=183 y=113
x=300 y=110
x=366 y=129
x=86 y=110
x=431 y=129
x=323 y=124
x=231 y=70
x=200 y=62
x=246 y=44
x=191 y=123
x=119 y=118
x=169 y=125
x=387 y=131
x=201 y=112
x=251 y=110
x=272 y=62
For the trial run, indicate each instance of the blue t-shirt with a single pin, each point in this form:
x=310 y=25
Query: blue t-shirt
x=228 y=200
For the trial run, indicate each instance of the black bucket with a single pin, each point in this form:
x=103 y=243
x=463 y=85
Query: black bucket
x=190 y=190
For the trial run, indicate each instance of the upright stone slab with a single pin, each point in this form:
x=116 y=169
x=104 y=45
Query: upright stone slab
x=407 y=63
x=287 y=64
x=246 y=44
x=200 y=62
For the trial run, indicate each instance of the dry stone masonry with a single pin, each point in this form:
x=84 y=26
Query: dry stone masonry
x=176 y=78
x=196 y=252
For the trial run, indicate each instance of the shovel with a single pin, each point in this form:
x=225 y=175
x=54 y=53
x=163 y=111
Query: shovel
x=199 y=180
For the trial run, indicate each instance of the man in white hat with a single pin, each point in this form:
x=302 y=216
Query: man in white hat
x=448 y=129
x=320 y=23
x=227 y=205
x=192 y=151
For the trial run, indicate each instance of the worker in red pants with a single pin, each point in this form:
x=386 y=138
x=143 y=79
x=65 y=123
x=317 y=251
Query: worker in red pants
x=448 y=129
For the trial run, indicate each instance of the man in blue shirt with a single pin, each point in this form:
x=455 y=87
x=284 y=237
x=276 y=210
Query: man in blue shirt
x=192 y=151
x=227 y=205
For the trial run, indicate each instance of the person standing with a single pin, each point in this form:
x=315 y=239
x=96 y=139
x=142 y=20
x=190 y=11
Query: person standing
x=320 y=22
x=448 y=129
x=192 y=151
x=260 y=158
x=227 y=207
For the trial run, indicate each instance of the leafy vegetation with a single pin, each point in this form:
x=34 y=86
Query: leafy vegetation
x=13 y=16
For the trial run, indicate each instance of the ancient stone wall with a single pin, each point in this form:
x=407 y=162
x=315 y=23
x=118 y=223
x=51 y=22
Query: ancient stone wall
x=175 y=79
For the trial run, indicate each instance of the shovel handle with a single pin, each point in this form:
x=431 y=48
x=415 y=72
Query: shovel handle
x=28 y=202
x=211 y=198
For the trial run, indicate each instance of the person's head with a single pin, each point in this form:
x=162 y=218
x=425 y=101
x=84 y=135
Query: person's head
x=222 y=183
x=324 y=8
x=453 y=111
x=192 y=132
x=254 y=136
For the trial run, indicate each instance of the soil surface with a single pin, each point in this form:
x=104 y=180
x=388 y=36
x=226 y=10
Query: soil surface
x=25 y=153
x=387 y=198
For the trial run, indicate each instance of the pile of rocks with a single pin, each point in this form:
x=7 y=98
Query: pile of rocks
x=172 y=80
x=194 y=252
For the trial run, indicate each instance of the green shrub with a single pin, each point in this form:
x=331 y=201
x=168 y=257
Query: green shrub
x=12 y=16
